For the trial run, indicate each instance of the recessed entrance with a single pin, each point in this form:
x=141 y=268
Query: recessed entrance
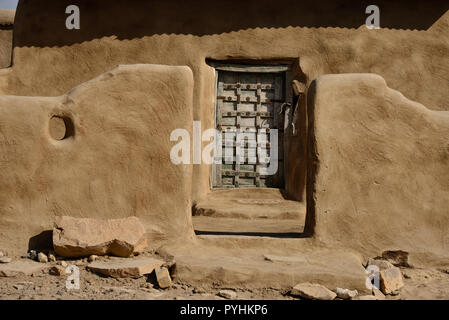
x=249 y=212
x=253 y=118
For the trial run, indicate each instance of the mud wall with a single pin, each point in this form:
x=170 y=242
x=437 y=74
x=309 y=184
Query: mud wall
x=5 y=46
x=6 y=30
x=114 y=161
x=410 y=52
x=378 y=168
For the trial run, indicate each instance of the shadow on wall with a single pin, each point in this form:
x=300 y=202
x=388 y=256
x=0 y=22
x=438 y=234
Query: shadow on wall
x=42 y=23
x=41 y=241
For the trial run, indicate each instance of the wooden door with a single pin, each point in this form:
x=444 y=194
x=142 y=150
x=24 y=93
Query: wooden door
x=249 y=104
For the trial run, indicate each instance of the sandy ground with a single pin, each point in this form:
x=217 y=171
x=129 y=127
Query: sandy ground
x=419 y=284
x=258 y=258
x=42 y=286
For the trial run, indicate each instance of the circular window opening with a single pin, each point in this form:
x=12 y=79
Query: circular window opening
x=60 y=127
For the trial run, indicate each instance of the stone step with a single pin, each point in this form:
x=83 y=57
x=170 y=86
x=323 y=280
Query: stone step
x=204 y=225
x=253 y=203
x=271 y=268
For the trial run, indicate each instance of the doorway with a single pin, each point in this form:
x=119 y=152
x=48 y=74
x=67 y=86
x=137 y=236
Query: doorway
x=250 y=105
x=253 y=121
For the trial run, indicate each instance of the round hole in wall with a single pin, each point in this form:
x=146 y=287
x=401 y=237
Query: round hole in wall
x=60 y=127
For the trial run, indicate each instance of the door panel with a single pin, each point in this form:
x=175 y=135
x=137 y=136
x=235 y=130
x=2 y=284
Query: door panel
x=248 y=103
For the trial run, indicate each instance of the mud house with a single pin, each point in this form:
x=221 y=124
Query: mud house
x=362 y=117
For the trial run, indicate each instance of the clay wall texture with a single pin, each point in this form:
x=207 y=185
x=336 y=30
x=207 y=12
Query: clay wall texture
x=410 y=52
x=115 y=164
x=377 y=176
x=392 y=154
x=6 y=31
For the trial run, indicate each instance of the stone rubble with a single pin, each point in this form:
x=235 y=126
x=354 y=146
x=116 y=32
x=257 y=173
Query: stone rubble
x=57 y=271
x=63 y=263
x=312 y=291
x=199 y=290
x=163 y=277
x=346 y=293
x=391 y=280
x=124 y=268
x=228 y=294
x=42 y=257
x=390 y=276
x=398 y=258
x=381 y=264
x=20 y=267
x=5 y=259
x=82 y=237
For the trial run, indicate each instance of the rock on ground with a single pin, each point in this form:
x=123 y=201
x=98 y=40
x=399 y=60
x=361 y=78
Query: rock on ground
x=227 y=294
x=163 y=277
x=20 y=267
x=381 y=264
x=57 y=271
x=42 y=257
x=126 y=268
x=63 y=263
x=313 y=291
x=346 y=293
x=391 y=280
x=5 y=260
x=78 y=237
x=51 y=257
x=398 y=258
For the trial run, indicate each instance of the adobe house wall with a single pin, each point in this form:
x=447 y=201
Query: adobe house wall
x=6 y=30
x=410 y=52
x=49 y=61
x=377 y=176
x=5 y=47
x=114 y=161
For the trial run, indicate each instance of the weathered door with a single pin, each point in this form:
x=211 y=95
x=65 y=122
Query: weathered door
x=249 y=103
